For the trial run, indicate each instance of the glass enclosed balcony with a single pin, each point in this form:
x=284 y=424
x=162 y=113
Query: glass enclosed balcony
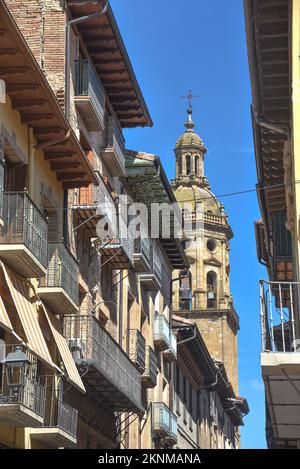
x=89 y=95
x=161 y=332
x=59 y=288
x=23 y=235
x=171 y=352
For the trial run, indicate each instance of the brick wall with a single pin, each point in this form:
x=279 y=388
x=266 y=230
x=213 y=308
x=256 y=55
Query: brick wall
x=43 y=24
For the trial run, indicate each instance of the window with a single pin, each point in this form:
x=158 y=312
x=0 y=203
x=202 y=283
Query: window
x=211 y=283
x=188 y=165
x=211 y=245
x=180 y=165
x=197 y=165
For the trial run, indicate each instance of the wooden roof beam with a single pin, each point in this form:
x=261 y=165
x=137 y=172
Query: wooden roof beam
x=28 y=118
x=69 y=176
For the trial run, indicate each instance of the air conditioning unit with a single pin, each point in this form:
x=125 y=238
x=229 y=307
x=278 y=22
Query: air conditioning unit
x=77 y=347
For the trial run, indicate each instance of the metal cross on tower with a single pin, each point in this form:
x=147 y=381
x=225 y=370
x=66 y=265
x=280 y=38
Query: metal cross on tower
x=190 y=97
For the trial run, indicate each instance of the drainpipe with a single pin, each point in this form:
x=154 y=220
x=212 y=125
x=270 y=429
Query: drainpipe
x=68 y=50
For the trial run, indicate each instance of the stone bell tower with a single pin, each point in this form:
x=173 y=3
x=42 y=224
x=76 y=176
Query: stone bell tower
x=208 y=233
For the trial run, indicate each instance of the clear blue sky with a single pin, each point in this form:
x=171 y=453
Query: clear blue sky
x=200 y=44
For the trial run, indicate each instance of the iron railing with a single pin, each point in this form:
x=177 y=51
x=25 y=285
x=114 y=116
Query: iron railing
x=279 y=306
x=67 y=418
x=24 y=224
x=115 y=140
x=137 y=349
x=121 y=241
x=31 y=395
x=151 y=366
x=142 y=246
x=87 y=83
x=100 y=351
x=62 y=270
x=161 y=329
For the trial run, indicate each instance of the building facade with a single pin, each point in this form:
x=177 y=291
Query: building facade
x=88 y=338
x=273 y=48
x=115 y=317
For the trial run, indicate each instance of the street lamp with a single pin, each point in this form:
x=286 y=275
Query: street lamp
x=16 y=365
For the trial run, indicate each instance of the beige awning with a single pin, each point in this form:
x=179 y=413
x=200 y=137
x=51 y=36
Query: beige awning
x=64 y=351
x=28 y=316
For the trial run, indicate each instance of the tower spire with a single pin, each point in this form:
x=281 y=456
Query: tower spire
x=189 y=123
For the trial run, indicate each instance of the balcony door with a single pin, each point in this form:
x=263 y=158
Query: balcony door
x=15 y=177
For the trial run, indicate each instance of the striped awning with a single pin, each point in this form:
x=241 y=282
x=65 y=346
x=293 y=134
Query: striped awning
x=64 y=350
x=28 y=316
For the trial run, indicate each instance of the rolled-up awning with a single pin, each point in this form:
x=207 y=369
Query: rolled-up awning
x=64 y=351
x=28 y=316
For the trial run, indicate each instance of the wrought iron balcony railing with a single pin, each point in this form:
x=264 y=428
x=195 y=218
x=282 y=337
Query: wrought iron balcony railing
x=62 y=272
x=89 y=95
x=137 y=349
x=67 y=418
x=23 y=405
x=110 y=372
x=31 y=395
x=118 y=250
x=149 y=378
x=142 y=254
x=23 y=225
x=161 y=332
x=114 y=151
x=152 y=280
x=279 y=308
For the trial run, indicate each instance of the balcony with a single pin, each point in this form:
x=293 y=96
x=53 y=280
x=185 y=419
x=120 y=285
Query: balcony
x=151 y=281
x=114 y=149
x=111 y=376
x=118 y=250
x=171 y=352
x=89 y=95
x=59 y=288
x=149 y=378
x=60 y=428
x=172 y=438
x=24 y=407
x=142 y=254
x=93 y=203
x=164 y=423
x=161 y=332
x=137 y=349
x=23 y=235
x=280 y=360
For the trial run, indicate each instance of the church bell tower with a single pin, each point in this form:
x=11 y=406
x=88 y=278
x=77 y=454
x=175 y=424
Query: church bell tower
x=209 y=302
